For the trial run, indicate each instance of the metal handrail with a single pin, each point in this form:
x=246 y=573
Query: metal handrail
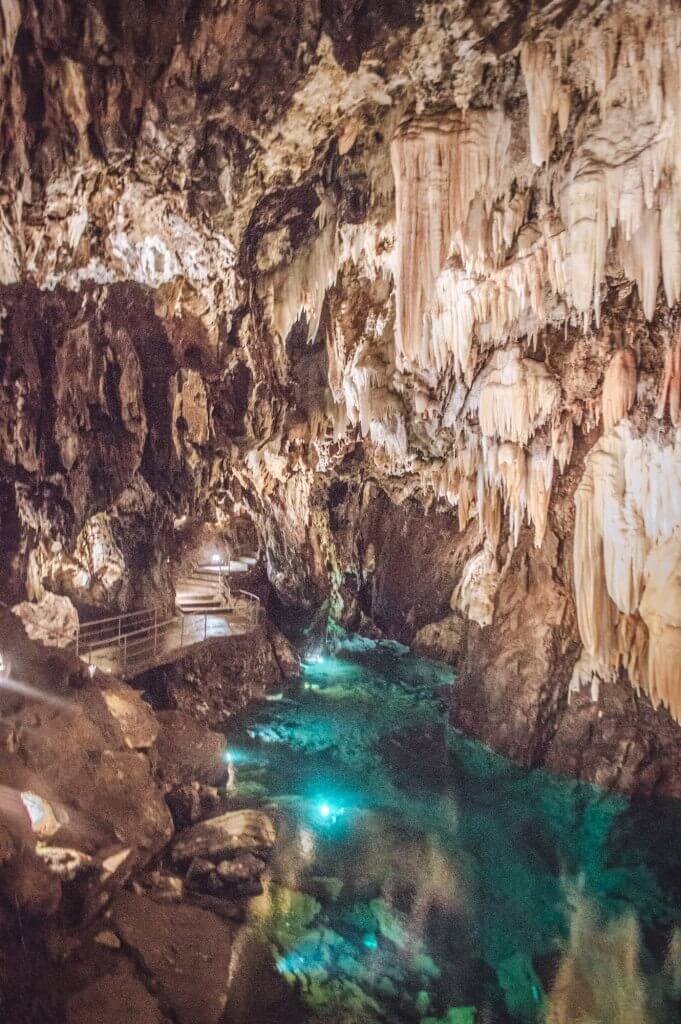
x=150 y=625
x=254 y=603
x=122 y=617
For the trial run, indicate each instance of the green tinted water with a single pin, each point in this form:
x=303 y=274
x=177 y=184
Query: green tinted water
x=418 y=877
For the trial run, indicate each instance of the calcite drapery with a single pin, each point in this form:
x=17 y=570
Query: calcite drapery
x=626 y=560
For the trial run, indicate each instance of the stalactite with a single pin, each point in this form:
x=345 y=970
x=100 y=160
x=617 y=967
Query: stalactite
x=301 y=286
x=562 y=440
x=539 y=480
x=625 y=174
x=517 y=395
x=619 y=387
x=626 y=559
x=583 y=203
x=440 y=167
x=596 y=612
x=546 y=97
x=497 y=303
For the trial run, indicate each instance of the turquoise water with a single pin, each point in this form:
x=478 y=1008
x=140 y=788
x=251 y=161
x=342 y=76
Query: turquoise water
x=418 y=877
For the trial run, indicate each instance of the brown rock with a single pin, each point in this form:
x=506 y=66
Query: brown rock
x=443 y=640
x=185 y=949
x=285 y=653
x=135 y=718
x=113 y=999
x=241 y=869
x=236 y=832
x=188 y=751
x=30 y=886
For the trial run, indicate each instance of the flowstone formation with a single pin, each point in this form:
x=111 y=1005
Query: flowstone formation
x=398 y=282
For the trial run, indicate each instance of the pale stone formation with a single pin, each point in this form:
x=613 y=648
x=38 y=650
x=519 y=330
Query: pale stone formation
x=475 y=594
x=619 y=387
x=300 y=287
x=53 y=620
x=670 y=393
x=231 y=833
x=448 y=172
x=517 y=396
x=660 y=609
x=626 y=562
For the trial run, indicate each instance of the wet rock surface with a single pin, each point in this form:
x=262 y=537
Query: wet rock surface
x=212 y=683
x=186 y=751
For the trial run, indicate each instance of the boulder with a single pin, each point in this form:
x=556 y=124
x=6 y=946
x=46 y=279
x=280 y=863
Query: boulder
x=186 y=950
x=236 y=832
x=53 y=620
x=241 y=869
x=137 y=721
x=113 y=999
x=187 y=751
x=443 y=640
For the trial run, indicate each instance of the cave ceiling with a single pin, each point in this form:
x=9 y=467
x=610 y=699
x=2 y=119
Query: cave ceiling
x=287 y=258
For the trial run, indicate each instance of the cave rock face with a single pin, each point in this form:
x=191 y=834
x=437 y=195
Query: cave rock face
x=403 y=288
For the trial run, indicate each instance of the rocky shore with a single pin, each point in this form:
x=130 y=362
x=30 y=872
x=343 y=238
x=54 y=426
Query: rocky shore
x=125 y=865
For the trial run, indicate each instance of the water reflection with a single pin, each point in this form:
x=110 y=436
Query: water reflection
x=419 y=878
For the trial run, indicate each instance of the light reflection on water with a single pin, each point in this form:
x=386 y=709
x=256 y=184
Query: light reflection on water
x=417 y=877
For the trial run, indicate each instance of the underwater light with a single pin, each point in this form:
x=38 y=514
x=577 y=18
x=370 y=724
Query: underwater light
x=329 y=813
x=369 y=941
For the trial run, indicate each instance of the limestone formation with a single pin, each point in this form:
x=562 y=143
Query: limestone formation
x=419 y=266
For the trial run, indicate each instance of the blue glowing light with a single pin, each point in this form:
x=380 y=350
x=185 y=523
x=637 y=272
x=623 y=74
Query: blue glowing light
x=370 y=941
x=325 y=810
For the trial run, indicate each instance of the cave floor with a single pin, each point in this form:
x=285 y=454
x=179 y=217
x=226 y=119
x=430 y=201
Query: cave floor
x=419 y=877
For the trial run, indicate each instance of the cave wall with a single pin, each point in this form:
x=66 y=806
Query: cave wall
x=398 y=282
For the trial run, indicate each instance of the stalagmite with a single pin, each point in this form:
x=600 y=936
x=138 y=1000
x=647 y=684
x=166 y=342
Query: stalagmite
x=619 y=387
x=476 y=592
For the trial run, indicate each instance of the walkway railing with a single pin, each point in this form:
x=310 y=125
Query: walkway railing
x=134 y=641
x=138 y=640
